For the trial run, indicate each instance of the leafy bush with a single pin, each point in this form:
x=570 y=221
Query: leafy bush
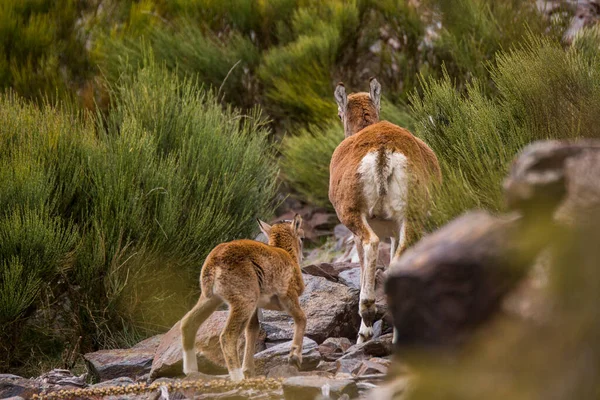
x=191 y=53
x=99 y=210
x=40 y=54
x=543 y=92
x=473 y=31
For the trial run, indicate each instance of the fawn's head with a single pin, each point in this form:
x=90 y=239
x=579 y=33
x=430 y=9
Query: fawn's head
x=358 y=110
x=287 y=235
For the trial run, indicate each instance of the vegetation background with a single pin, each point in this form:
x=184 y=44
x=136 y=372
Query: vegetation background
x=136 y=135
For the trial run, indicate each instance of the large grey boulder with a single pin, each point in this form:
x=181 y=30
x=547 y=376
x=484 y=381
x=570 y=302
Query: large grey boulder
x=331 y=311
x=168 y=359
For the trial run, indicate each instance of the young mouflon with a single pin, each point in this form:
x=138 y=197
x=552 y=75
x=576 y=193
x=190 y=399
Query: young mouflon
x=248 y=275
x=378 y=173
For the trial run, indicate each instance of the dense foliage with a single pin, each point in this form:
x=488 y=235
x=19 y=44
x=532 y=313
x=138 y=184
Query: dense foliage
x=105 y=222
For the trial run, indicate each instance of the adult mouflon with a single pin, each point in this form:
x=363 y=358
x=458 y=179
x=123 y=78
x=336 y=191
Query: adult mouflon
x=380 y=176
x=248 y=275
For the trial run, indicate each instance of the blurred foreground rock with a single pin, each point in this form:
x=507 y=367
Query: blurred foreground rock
x=450 y=282
x=453 y=280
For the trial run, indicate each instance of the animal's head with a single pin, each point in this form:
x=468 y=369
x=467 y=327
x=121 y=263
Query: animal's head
x=358 y=110
x=285 y=234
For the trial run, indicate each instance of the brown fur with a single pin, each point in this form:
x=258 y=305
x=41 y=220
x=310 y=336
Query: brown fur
x=365 y=134
x=246 y=275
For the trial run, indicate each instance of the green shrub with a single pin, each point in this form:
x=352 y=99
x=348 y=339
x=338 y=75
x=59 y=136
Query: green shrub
x=101 y=209
x=473 y=31
x=297 y=76
x=40 y=53
x=543 y=92
x=190 y=52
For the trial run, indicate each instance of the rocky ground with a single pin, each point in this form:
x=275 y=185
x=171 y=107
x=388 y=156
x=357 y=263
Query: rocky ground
x=332 y=362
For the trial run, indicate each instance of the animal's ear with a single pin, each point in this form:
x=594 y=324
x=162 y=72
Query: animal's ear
x=340 y=96
x=375 y=93
x=264 y=227
x=297 y=222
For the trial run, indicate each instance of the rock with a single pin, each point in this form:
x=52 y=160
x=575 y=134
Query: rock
x=120 y=382
x=283 y=371
x=378 y=347
x=587 y=14
x=351 y=255
x=372 y=366
x=350 y=278
x=168 y=358
x=316 y=221
x=13 y=386
x=309 y=387
x=555 y=176
x=134 y=362
x=16 y=386
x=338 y=319
x=333 y=348
x=63 y=377
x=150 y=344
x=277 y=356
x=329 y=271
x=341 y=232
x=347 y=365
x=394 y=389
x=109 y=364
x=328 y=366
x=348 y=274
x=454 y=279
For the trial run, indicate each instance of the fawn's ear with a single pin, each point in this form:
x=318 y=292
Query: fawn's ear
x=264 y=227
x=375 y=93
x=340 y=97
x=297 y=222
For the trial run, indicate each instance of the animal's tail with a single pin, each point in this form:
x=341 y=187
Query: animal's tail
x=384 y=170
x=207 y=279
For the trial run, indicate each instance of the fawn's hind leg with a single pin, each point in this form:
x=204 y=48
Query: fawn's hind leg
x=292 y=306
x=239 y=315
x=251 y=334
x=189 y=327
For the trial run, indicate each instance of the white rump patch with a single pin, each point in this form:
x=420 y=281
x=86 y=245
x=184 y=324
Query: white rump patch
x=394 y=179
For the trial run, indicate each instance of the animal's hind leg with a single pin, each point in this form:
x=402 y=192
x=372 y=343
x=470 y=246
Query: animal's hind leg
x=239 y=315
x=361 y=255
x=366 y=307
x=189 y=327
x=292 y=306
x=400 y=242
x=251 y=334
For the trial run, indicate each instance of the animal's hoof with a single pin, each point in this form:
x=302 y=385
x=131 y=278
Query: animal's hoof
x=295 y=360
x=367 y=311
x=236 y=375
x=248 y=373
x=365 y=334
